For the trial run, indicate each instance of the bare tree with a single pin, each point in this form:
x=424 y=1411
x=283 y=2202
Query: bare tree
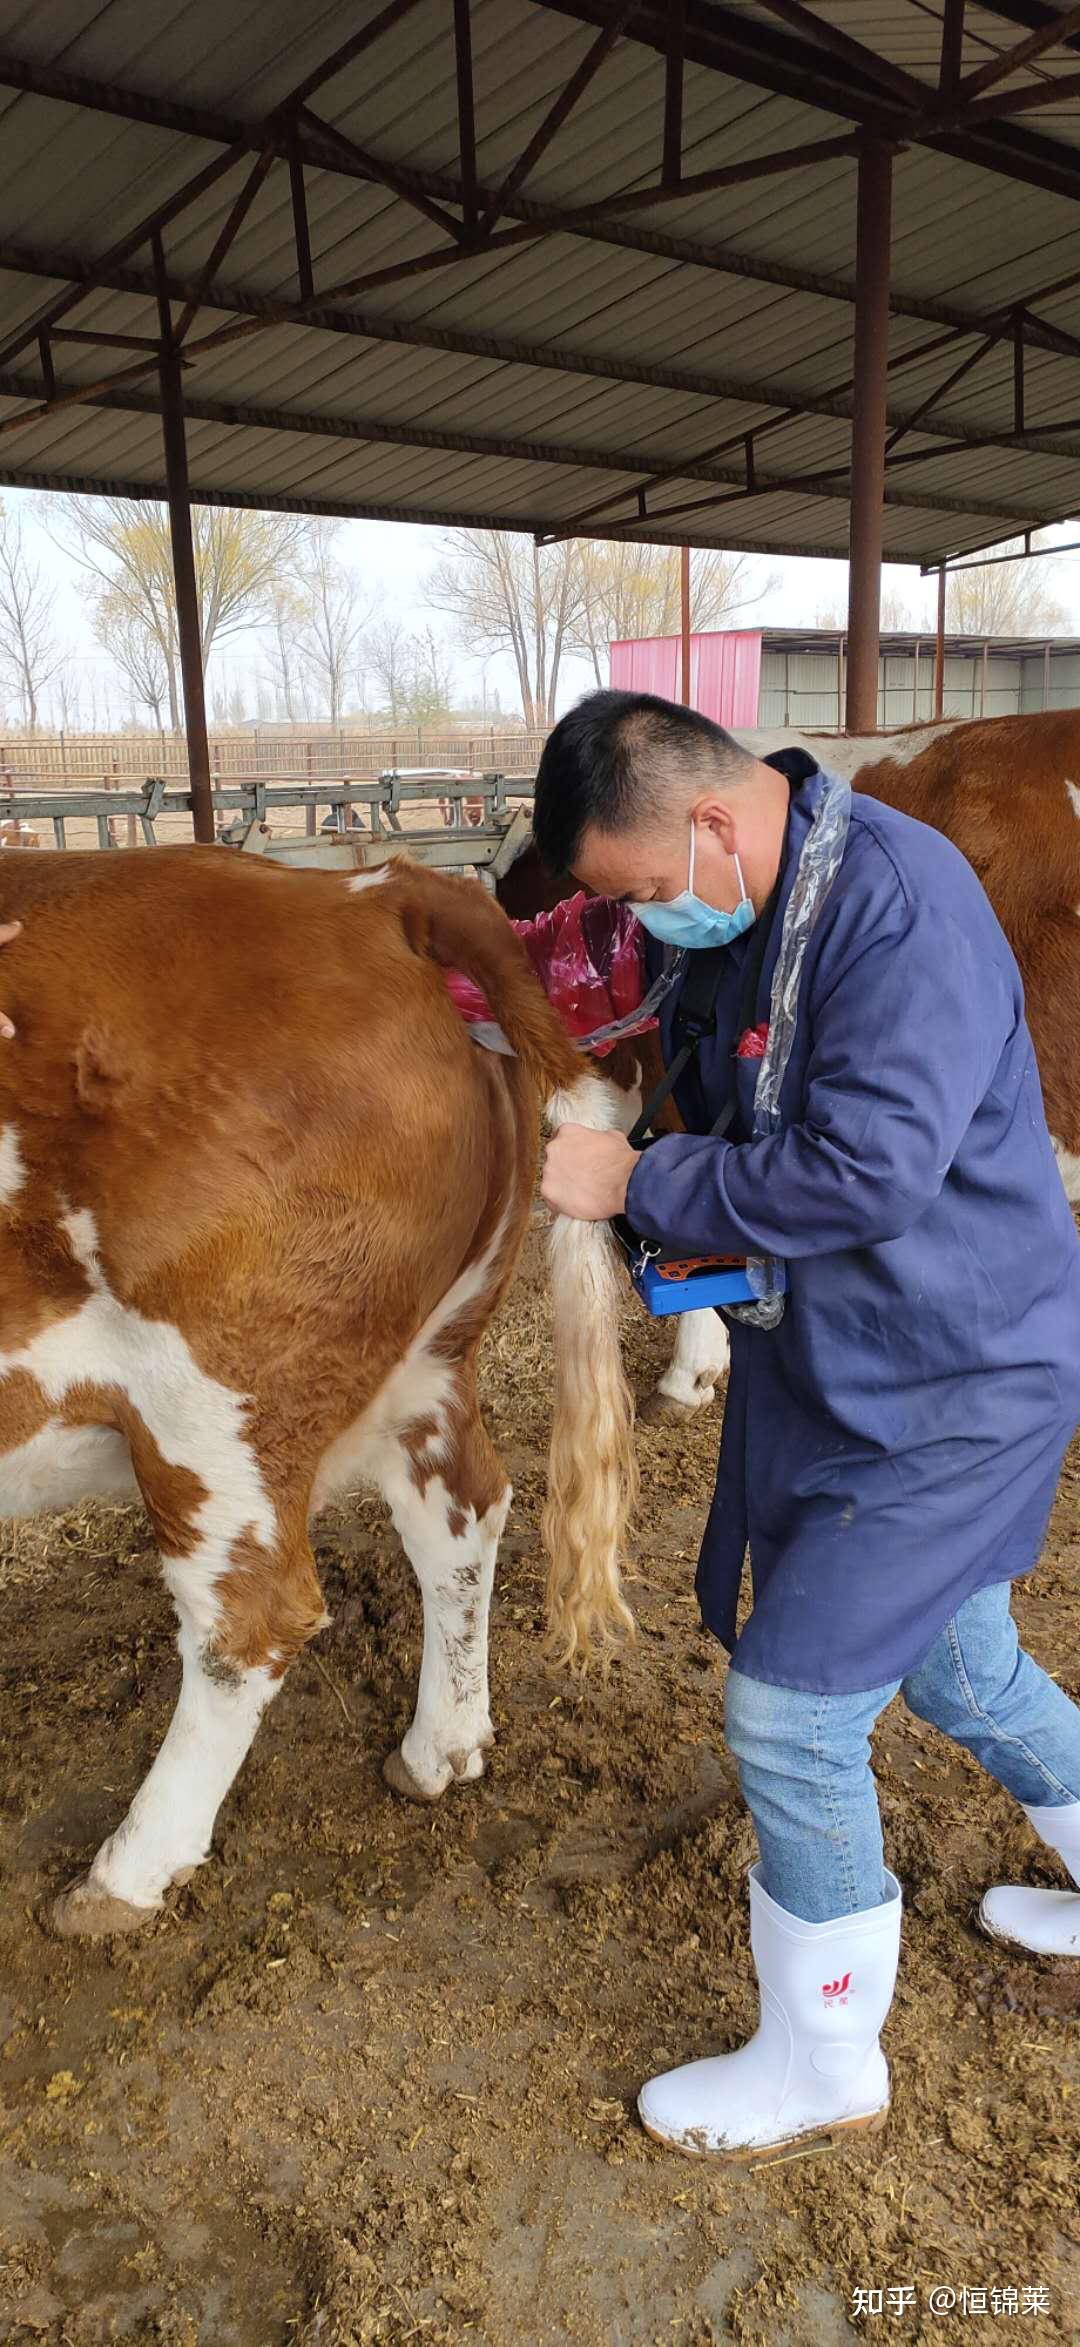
x=506 y=594
x=431 y=680
x=1004 y=599
x=238 y=559
x=629 y=590
x=386 y=658
x=285 y=624
x=29 y=655
x=136 y=651
x=334 y=615
x=69 y=698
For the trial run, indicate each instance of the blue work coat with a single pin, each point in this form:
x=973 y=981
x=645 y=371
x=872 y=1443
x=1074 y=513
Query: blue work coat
x=895 y=1444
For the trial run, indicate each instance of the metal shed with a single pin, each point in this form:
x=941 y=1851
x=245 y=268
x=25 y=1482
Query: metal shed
x=765 y=275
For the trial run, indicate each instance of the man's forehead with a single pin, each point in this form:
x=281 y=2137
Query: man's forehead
x=624 y=863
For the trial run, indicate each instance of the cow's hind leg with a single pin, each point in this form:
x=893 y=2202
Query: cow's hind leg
x=698 y=1362
x=243 y=1616
x=449 y=1498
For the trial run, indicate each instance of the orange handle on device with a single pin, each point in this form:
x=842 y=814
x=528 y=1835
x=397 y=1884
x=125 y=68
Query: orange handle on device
x=699 y=1263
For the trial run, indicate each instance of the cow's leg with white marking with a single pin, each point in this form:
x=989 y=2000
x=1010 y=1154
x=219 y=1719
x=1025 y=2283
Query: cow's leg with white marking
x=697 y=1364
x=449 y=1498
x=244 y=1613
x=700 y=1357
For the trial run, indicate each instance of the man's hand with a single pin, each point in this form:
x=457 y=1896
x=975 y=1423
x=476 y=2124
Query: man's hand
x=587 y=1174
x=8 y=930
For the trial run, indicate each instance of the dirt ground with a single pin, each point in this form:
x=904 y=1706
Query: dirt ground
x=372 y=2077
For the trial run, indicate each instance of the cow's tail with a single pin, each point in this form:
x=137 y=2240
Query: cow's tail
x=592 y=1473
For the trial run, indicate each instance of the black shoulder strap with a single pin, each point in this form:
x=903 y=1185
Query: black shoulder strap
x=697 y=1018
x=696 y=1015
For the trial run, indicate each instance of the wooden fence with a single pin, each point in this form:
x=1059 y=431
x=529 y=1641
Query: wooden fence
x=71 y=759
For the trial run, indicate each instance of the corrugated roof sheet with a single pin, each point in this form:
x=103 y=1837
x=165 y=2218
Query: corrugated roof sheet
x=598 y=374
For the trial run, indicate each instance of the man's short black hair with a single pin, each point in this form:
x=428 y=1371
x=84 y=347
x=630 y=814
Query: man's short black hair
x=612 y=761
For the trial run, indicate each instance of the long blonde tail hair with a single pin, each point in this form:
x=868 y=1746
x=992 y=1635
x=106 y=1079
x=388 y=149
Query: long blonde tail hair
x=592 y=1468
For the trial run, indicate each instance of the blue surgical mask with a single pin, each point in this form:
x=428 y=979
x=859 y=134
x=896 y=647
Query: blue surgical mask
x=687 y=920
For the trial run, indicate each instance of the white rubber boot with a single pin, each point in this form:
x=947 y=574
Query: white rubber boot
x=814 y=2066
x=1047 y=1923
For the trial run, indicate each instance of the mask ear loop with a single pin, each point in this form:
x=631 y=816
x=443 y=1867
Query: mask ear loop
x=693 y=851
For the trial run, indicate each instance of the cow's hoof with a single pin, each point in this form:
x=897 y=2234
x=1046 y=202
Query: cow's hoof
x=88 y=1912
x=661 y=1409
x=461 y=1768
x=400 y=1778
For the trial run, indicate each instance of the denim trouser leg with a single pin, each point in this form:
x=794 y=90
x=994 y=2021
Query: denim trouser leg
x=978 y=1684
x=804 y=1768
x=804 y=1759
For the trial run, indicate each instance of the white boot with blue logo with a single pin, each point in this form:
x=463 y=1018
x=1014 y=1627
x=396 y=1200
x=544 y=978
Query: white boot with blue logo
x=1046 y=1923
x=814 y=2067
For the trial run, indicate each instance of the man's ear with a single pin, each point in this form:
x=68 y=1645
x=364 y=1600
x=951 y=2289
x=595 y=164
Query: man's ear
x=715 y=816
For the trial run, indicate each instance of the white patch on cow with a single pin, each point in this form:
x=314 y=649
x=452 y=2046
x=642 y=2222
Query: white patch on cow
x=195 y=1421
x=12 y=1165
x=170 y=1822
x=455 y=1569
x=418 y=1387
x=368 y=879
x=699 y=1360
x=452 y=1723
x=1074 y=796
x=197 y=1424
x=61 y=1465
x=1069 y=1169
x=847 y=754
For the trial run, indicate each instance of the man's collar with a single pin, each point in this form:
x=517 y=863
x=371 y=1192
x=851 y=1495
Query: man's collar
x=796 y=766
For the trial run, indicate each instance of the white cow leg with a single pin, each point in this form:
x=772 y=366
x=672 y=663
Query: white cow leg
x=698 y=1362
x=451 y=1541
x=167 y=1830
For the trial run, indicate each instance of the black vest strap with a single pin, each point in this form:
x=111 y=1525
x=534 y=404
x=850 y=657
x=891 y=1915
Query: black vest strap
x=696 y=1016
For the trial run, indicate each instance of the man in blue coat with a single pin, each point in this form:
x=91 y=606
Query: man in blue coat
x=902 y=1395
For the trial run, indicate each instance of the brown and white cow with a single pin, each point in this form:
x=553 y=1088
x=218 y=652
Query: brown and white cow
x=259 y=1197
x=1006 y=791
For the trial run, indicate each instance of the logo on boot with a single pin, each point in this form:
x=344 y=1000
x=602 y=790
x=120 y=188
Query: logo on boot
x=835 y=1992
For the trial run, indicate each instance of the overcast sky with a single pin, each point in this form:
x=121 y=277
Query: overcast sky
x=393 y=560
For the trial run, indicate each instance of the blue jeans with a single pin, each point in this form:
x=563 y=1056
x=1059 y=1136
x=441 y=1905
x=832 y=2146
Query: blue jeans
x=804 y=1760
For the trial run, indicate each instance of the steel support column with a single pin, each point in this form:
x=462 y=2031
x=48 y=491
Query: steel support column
x=868 y=434
x=187 y=593
x=684 y=602
x=939 y=647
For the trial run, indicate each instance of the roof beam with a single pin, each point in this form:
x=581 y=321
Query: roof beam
x=548 y=218
x=434 y=516
x=330 y=151
x=830 y=36
x=746 y=49
x=560 y=109
x=1050 y=35
x=553 y=358
x=674 y=78
x=657 y=470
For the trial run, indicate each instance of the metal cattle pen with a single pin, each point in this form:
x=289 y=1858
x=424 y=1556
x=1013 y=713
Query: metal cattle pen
x=370 y=821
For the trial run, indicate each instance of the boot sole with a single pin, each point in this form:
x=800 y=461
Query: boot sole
x=762 y=2155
